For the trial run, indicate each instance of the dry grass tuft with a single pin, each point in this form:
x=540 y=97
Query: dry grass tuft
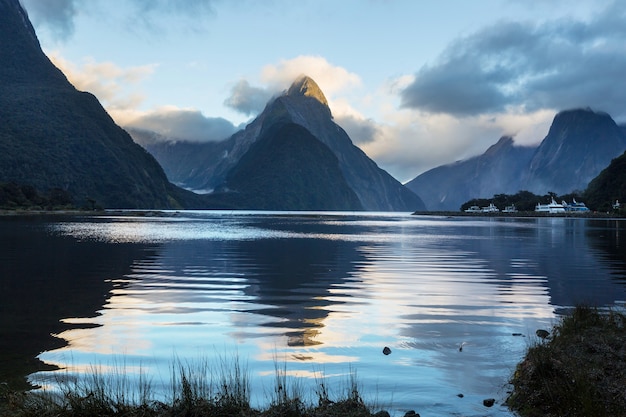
x=579 y=371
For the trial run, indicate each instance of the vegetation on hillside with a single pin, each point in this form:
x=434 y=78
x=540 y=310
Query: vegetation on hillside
x=609 y=186
x=20 y=196
x=579 y=369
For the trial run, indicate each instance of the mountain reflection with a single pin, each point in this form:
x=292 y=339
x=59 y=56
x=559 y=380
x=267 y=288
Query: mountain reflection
x=287 y=281
x=608 y=237
x=570 y=257
x=45 y=278
x=292 y=279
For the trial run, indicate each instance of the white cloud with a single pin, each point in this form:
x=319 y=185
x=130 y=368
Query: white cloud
x=276 y=78
x=182 y=124
x=330 y=78
x=407 y=142
x=117 y=88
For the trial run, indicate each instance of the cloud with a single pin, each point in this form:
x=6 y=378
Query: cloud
x=56 y=15
x=247 y=99
x=183 y=124
x=409 y=143
x=115 y=87
x=155 y=15
x=152 y=15
x=360 y=130
x=330 y=78
x=276 y=78
x=556 y=64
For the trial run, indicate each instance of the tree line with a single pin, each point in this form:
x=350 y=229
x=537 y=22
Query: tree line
x=23 y=196
x=525 y=200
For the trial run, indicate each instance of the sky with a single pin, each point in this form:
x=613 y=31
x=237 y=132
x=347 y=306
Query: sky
x=415 y=83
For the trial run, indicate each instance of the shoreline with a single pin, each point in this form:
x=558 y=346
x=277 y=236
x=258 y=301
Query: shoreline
x=160 y=212
x=576 y=369
x=523 y=214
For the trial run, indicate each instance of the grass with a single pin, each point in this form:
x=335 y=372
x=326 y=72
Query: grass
x=196 y=390
x=580 y=370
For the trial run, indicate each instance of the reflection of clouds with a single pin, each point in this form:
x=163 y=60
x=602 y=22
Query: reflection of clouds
x=329 y=355
x=334 y=291
x=116 y=333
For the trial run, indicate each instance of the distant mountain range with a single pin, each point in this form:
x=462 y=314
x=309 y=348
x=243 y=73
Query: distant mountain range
x=325 y=170
x=579 y=145
x=496 y=171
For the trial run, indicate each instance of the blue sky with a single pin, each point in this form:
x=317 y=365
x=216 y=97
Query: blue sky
x=415 y=83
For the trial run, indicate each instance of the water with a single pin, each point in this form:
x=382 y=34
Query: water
x=318 y=293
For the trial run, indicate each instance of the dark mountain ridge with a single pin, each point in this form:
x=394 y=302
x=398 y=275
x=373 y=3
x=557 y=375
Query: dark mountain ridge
x=305 y=105
x=284 y=161
x=580 y=143
x=180 y=159
x=609 y=186
x=53 y=136
x=496 y=171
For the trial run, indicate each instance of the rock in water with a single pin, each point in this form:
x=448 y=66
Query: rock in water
x=386 y=350
x=489 y=402
x=543 y=334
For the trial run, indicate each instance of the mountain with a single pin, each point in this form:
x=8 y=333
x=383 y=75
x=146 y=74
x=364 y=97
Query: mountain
x=283 y=162
x=580 y=143
x=54 y=136
x=305 y=105
x=447 y=187
x=179 y=159
x=608 y=186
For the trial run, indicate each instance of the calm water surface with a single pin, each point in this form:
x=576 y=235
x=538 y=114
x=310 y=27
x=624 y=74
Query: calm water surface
x=318 y=293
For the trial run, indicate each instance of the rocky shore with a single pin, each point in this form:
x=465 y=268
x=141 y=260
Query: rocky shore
x=577 y=369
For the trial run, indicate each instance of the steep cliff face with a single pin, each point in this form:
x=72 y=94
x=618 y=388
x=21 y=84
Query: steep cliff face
x=53 y=136
x=23 y=62
x=579 y=144
x=498 y=170
x=305 y=105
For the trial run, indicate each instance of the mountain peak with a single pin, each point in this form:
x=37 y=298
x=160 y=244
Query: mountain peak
x=305 y=86
x=503 y=143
